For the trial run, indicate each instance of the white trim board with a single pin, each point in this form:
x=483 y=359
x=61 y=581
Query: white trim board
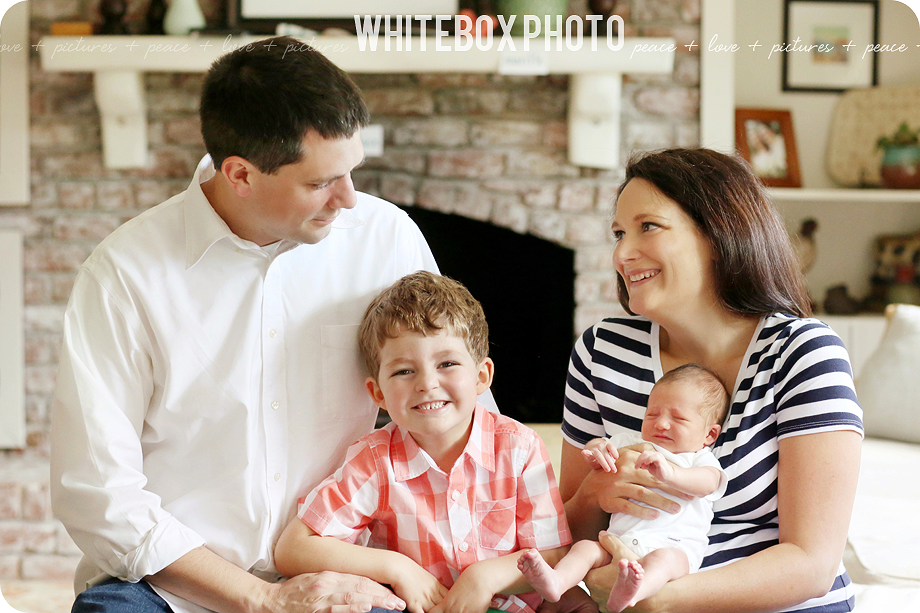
x=12 y=402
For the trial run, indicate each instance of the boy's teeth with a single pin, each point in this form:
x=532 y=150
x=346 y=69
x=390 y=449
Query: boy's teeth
x=431 y=406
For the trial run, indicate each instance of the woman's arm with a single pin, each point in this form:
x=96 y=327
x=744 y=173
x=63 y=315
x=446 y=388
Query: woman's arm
x=590 y=496
x=816 y=488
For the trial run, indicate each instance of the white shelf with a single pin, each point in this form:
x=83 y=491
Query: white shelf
x=118 y=63
x=832 y=195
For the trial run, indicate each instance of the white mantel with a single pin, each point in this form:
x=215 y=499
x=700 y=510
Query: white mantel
x=119 y=62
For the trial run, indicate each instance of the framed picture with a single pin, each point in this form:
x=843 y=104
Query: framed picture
x=825 y=41
x=764 y=137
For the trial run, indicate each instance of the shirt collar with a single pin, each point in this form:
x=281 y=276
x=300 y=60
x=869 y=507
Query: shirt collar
x=203 y=226
x=410 y=460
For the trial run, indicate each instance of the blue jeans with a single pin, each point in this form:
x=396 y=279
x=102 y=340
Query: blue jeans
x=117 y=596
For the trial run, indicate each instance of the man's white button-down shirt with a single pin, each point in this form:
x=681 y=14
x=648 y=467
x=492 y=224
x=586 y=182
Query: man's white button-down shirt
x=206 y=383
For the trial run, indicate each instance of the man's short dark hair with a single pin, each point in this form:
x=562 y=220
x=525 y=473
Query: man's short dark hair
x=259 y=101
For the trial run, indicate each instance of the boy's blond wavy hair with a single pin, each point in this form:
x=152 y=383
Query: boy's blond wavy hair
x=423 y=302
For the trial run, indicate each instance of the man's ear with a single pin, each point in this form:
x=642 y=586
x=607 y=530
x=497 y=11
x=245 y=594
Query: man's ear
x=375 y=392
x=238 y=174
x=713 y=434
x=486 y=372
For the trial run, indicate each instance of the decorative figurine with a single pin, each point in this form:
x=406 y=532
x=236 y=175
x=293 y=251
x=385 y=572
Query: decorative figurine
x=113 y=15
x=804 y=243
x=156 y=13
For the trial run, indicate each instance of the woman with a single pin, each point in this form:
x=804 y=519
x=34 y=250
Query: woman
x=708 y=275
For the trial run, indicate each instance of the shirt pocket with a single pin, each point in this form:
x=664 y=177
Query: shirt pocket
x=344 y=394
x=497 y=521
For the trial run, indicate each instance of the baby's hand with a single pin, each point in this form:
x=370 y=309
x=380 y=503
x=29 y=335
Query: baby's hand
x=655 y=463
x=601 y=454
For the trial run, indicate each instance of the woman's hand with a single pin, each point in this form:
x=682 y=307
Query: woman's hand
x=600 y=580
x=618 y=492
x=591 y=495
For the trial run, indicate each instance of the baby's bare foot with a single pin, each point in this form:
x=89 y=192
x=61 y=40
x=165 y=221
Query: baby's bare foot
x=626 y=587
x=541 y=576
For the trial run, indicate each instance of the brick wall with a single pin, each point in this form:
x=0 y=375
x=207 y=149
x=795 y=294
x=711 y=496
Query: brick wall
x=490 y=147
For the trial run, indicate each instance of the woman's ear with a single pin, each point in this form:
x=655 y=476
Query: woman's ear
x=486 y=372
x=375 y=392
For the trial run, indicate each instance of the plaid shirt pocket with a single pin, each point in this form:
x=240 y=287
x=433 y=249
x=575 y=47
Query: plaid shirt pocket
x=497 y=520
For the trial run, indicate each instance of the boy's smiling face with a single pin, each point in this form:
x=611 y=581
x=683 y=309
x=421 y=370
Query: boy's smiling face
x=428 y=385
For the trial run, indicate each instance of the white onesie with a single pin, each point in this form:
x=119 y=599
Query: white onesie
x=687 y=529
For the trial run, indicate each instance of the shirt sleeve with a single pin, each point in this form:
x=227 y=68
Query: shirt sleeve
x=708 y=459
x=814 y=384
x=104 y=385
x=581 y=417
x=345 y=503
x=540 y=514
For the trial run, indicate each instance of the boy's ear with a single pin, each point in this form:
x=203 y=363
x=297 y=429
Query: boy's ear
x=375 y=392
x=486 y=372
x=713 y=433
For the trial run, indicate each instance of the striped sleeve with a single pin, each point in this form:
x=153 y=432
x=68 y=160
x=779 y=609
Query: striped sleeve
x=814 y=384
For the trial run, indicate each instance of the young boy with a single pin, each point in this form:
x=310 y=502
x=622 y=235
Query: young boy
x=449 y=491
x=685 y=410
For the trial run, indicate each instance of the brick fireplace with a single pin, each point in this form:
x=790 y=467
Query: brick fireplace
x=486 y=147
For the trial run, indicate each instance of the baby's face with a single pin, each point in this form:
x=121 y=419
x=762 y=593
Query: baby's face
x=673 y=419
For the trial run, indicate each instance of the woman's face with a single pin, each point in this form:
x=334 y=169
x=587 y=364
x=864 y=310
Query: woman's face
x=664 y=259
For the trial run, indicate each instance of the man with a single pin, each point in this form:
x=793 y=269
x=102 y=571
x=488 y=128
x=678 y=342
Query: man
x=210 y=374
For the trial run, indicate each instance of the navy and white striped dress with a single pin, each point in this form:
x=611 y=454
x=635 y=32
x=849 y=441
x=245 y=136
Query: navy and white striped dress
x=795 y=379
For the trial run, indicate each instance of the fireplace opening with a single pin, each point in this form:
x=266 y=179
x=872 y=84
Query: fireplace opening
x=527 y=289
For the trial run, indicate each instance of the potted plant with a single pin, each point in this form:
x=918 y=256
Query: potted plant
x=900 y=167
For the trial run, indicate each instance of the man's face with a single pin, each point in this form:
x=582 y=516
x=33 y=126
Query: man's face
x=300 y=201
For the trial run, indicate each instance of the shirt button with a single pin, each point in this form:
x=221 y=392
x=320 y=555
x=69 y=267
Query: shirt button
x=635 y=541
x=277 y=476
x=464 y=546
x=454 y=495
x=276 y=404
x=272 y=333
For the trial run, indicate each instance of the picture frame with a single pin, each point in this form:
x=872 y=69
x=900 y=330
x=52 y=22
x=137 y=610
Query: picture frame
x=837 y=32
x=766 y=139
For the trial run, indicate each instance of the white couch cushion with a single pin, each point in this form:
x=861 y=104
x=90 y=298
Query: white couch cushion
x=888 y=387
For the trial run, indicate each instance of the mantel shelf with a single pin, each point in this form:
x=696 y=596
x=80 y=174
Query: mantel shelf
x=119 y=62
x=875 y=195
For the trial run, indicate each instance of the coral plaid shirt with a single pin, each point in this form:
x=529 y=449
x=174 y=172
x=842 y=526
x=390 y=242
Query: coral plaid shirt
x=499 y=497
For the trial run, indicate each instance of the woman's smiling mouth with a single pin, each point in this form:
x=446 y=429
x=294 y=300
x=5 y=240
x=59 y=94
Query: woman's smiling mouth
x=642 y=275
